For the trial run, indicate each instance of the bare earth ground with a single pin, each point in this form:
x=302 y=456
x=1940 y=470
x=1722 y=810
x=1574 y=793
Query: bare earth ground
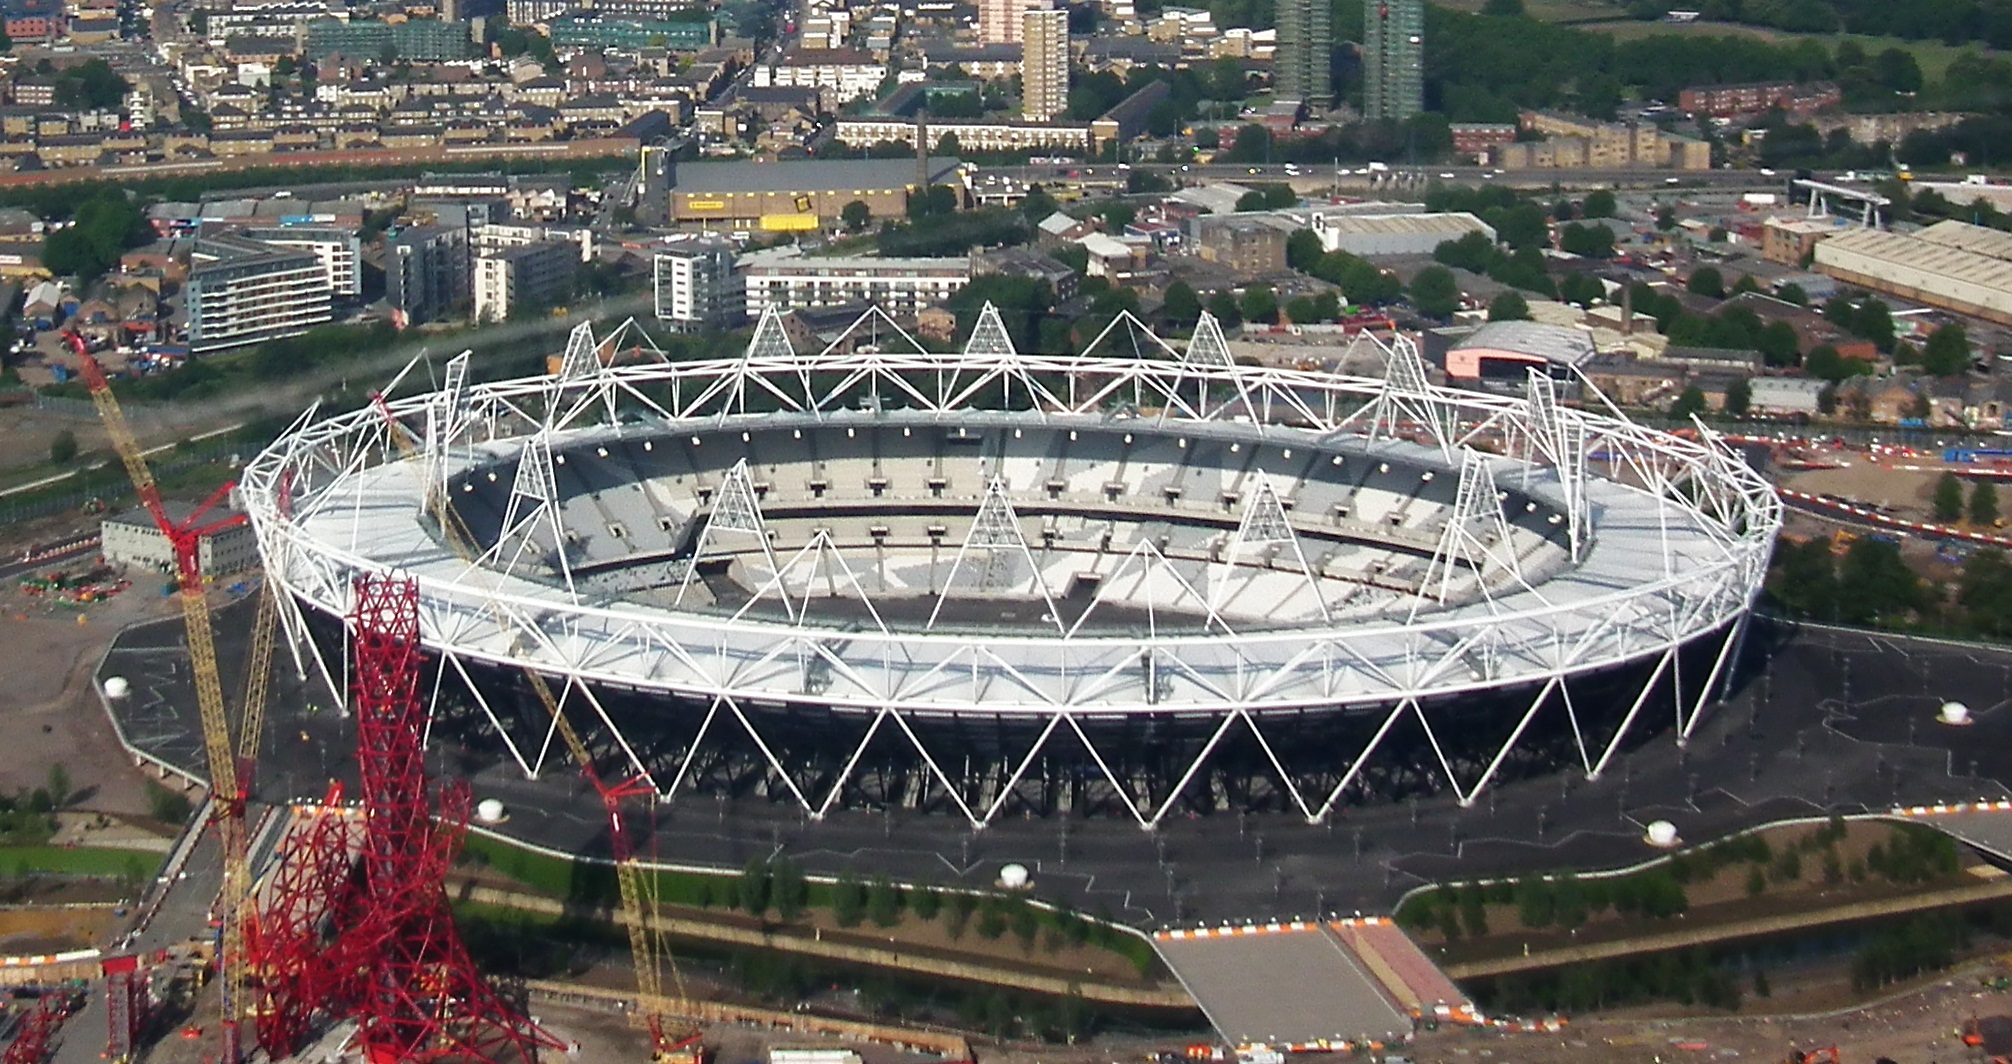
x=48 y=709
x=35 y=931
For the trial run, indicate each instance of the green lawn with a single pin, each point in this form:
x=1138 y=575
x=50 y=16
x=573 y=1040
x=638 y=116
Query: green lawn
x=1594 y=16
x=16 y=860
x=1933 y=57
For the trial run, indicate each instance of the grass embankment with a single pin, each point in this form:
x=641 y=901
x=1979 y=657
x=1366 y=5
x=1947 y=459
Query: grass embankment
x=985 y=927
x=78 y=861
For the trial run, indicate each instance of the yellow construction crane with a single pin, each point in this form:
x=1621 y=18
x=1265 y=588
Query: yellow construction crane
x=674 y=1038
x=227 y=792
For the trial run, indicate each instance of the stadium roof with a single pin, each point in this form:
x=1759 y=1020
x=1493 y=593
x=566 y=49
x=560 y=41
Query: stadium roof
x=809 y=175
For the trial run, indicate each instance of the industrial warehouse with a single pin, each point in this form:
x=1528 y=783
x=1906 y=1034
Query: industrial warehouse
x=1952 y=265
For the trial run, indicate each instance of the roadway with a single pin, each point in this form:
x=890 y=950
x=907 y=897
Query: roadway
x=1357 y=176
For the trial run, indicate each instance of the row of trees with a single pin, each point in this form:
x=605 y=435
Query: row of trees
x=1871 y=585
x=1949 y=506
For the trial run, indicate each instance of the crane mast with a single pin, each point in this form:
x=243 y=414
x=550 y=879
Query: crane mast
x=227 y=788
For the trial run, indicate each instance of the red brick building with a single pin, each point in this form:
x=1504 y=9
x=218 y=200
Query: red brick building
x=33 y=20
x=1473 y=139
x=1753 y=98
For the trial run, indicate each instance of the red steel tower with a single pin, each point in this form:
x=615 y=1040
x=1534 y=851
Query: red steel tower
x=362 y=930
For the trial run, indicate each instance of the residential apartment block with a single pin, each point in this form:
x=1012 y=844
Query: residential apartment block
x=242 y=291
x=511 y=279
x=900 y=286
x=1044 y=64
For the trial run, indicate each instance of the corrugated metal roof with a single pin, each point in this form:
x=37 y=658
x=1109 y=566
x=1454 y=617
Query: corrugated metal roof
x=811 y=175
x=1916 y=253
x=1552 y=343
x=1969 y=237
x=1452 y=223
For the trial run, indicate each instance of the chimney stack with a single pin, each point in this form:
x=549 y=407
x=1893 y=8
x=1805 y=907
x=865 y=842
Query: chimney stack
x=1627 y=310
x=922 y=152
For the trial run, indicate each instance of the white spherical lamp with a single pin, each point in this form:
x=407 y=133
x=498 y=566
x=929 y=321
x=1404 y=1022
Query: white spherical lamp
x=1014 y=877
x=1662 y=834
x=1955 y=714
x=489 y=811
x=117 y=687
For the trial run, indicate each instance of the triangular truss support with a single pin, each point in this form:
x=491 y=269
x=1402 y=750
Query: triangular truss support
x=769 y=345
x=995 y=529
x=1476 y=535
x=1146 y=563
x=736 y=512
x=1406 y=400
x=447 y=417
x=1207 y=358
x=819 y=557
x=1560 y=439
x=533 y=505
x=1265 y=523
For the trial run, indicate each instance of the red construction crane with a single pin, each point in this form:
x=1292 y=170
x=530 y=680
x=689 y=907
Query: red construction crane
x=228 y=789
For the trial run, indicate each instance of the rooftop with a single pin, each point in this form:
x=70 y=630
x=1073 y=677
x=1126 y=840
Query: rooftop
x=1552 y=343
x=807 y=175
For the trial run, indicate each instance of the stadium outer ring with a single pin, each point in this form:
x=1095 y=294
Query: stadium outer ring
x=404 y=450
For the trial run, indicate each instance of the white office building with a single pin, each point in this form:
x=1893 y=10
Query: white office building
x=696 y=288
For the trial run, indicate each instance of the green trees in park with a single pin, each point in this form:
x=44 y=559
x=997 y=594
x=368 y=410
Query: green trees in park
x=1984 y=504
x=1948 y=501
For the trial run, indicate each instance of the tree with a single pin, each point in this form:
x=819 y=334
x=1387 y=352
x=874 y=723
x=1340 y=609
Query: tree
x=1739 y=396
x=1947 y=352
x=1791 y=292
x=63 y=449
x=1223 y=305
x=1778 y=343
x=1181 y=307
x=1037 y=204
x=754 y=888
x=848 y=899
x=1303 y=250
x=1948 y=502
x=1260 y=305
x=1691 y=401
x=1503 y=8
x=1250 y=201
x=788 y=889
x=1666 y=218
x=883 y=901
x=855 y=215
x=104 y=227
x=1599 y=204
x=1706 y=281
x=1435 y=292
x=1984 y=504
x=1509 y=306
x=91 y=86
x=1581 y=289
x=1590 y=241
x=58 y=785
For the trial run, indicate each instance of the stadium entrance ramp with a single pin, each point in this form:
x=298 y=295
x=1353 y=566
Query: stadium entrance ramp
x=1311 y=985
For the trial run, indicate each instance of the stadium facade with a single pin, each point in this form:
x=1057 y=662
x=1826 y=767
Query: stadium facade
x=1141 y=581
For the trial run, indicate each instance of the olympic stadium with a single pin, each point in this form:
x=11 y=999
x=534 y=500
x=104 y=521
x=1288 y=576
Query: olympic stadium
x=1136 y=583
